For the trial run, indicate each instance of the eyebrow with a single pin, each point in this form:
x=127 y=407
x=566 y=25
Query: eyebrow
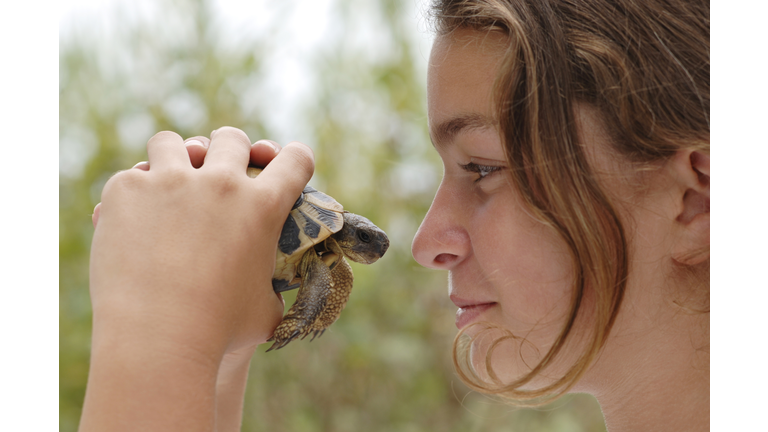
x=444 y=133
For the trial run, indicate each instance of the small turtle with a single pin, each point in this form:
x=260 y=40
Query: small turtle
x=316 y=237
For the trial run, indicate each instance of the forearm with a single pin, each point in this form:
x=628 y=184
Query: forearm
x=230 y=390
x=137 y=384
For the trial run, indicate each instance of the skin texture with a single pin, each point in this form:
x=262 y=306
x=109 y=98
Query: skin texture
x=177 y=317
x=508 y=269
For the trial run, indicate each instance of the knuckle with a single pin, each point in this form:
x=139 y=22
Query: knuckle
x=170 y=180
x=233 y=134
x=121 y=181
x=269 y=197
x=223 y=182
x=302 y=155
x=175 y=175
x=164 y=136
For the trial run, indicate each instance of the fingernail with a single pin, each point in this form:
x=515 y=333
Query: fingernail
x=269 y=143
x=195 y=142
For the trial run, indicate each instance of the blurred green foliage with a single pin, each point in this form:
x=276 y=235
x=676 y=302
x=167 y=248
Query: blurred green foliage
x=385 y=365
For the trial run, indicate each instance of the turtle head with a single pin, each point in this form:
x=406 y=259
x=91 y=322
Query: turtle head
x=361 y=240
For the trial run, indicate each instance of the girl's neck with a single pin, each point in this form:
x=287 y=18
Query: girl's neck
x=657 y=381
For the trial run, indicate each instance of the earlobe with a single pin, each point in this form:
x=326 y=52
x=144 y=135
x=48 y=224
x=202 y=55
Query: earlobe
x=692 y=171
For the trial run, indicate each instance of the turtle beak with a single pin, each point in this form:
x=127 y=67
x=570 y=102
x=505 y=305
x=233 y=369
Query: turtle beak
x=383 y=242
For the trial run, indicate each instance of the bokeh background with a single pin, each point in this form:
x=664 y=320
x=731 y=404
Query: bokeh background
x=348 y=79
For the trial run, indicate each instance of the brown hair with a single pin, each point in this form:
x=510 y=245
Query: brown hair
x=644 y=65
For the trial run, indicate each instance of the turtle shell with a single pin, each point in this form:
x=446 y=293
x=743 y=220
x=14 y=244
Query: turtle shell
x=313 y=218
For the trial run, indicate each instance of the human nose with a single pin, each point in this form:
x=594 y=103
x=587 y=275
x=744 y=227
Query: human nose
x=442 y=240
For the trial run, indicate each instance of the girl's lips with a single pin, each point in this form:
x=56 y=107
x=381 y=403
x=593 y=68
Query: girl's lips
x=465 y=315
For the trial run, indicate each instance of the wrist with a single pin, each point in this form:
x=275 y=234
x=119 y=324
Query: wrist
x=143 y=383
x=180 y=331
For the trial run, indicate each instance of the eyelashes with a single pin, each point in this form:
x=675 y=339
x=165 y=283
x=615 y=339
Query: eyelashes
x=482 y=170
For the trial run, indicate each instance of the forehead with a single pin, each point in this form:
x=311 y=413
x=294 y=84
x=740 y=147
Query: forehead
x=473 y=45
x=462 y=68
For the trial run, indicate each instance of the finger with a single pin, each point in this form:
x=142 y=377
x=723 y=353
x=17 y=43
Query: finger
x=197 y=147
x=205 y=141
x=95 y=215
x=288 y=174
x=143 y=165
x=229 y=148
x=263 y=151
x=166 y=149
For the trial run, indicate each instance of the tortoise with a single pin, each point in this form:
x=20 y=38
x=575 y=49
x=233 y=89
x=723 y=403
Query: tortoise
x=316 y=237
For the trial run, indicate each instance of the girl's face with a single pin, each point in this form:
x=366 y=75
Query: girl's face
x=511 y=270
x=504 y=266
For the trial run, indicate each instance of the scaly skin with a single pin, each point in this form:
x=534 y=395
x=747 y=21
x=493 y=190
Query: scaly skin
x=337 y=296
x=316 y=282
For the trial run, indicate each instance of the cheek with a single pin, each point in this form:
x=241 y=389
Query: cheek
x=528 y=265
x=530 y=271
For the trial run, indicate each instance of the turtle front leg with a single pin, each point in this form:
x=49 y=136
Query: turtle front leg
x=336 y=299
x=337 y=296
x=316 y=281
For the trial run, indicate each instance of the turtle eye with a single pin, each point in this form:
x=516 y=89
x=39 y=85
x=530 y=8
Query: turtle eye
x=364 y=236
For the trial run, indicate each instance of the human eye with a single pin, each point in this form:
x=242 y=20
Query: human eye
x=482 y=170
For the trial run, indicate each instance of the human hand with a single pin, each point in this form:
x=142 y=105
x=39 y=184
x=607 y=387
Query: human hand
x=182 y=258
x=262 y=152
x=153 y=198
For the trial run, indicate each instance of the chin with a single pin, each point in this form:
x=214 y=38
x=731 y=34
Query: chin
x=512 y=357
x=503 y=348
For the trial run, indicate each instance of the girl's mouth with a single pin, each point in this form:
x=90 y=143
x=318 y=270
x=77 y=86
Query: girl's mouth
x=466 y=314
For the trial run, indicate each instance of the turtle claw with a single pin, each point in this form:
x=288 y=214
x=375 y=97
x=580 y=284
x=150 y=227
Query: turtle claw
x=281 y=342
x=287 y=331
x=297 y=327
x=317 y=333
x=314 y=333
x=276 y=345
x=296 y=334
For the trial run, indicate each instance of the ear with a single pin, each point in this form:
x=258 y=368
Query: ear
x=691 y=169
